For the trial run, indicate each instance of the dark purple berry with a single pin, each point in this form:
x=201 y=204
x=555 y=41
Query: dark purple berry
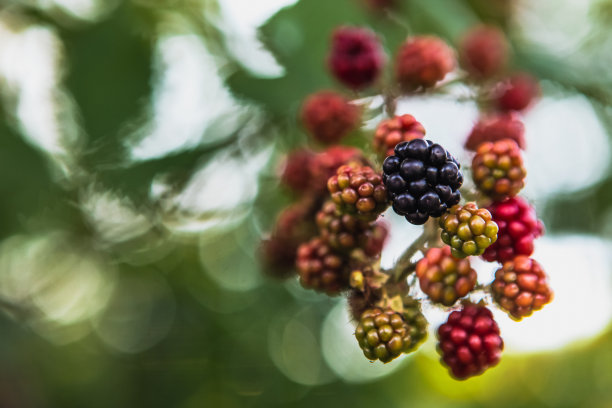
x=418 y=149
x=429 y=202
x=411 y=169
x=437 y=155
x=418 y=187
x=425 y=182
x=404 y=204
x=391 y=164
x=395 y=183
x=417 y=218
x=431 y=175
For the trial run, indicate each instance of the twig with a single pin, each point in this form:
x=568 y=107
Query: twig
x=404 y=266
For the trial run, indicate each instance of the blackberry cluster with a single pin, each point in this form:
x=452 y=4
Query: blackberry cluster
x=469 y=341
x=518 y=228
x=345 y=232
x=423 y=180
x=329 y=116
x=520 y=287
x=356 y=57
x=358 y=190
x=497 y=169
x=444 y=278
x=321 y=268
x=384 y=334
x=468 y=230
x=483 y=51
x=422 y=61
x=395 y=130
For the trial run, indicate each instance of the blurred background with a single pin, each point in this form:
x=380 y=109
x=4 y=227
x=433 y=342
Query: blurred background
x=140 y=143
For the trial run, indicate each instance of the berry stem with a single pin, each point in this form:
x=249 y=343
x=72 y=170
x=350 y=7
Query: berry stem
x=404 y=266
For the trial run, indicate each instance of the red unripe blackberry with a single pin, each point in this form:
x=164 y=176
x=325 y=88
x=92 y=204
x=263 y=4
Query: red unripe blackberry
x=518 y=228
x=321 y=268
x=326 y=163
x=384 y=334
x=469 y=341
x=443 y=277
x=358 y=190
x=296 y=170
x=520 y=287
x=356 y=57
x=516 y=93
x=423 y=180
x=498 y=170
x=345 y=232
x=483 y=51
x=395 y=130
x=423 y=61
x=329 y=116
x=497 y=127
x=294 y=226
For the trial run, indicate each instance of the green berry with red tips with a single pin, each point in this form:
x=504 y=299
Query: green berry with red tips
x=384 y=334
x=468 y=230
x=443 y=277
x=498 y=170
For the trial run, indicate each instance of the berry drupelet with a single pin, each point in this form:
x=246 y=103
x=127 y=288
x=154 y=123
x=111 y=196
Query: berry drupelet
x=520 y=287
x=395 y=130
x=468 y=230
x=469 y=342
x=444 y=278
x=518 y=228
x=328 y=116
x=356 y=57
x=358 y=190
x=423 y=180
x=498 y=170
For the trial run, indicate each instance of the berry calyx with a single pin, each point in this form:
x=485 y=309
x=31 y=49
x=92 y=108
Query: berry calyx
x=516 y=93
x=395 y=130
x=498 y=170
x=356 y=57
x=358 y=190
x=384 y=334
x=469 y=341
x=497 y=127
x=321 y=268
x=422 y=61
x=423 y=180
x=443 y=277
x=520 y=287
x=329 y=117
x=518 y=228
x=468 y=230
x=483 y=51
x=345 y=232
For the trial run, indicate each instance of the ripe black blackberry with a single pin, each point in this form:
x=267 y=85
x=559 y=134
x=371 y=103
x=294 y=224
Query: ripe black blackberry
x=422 y=179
